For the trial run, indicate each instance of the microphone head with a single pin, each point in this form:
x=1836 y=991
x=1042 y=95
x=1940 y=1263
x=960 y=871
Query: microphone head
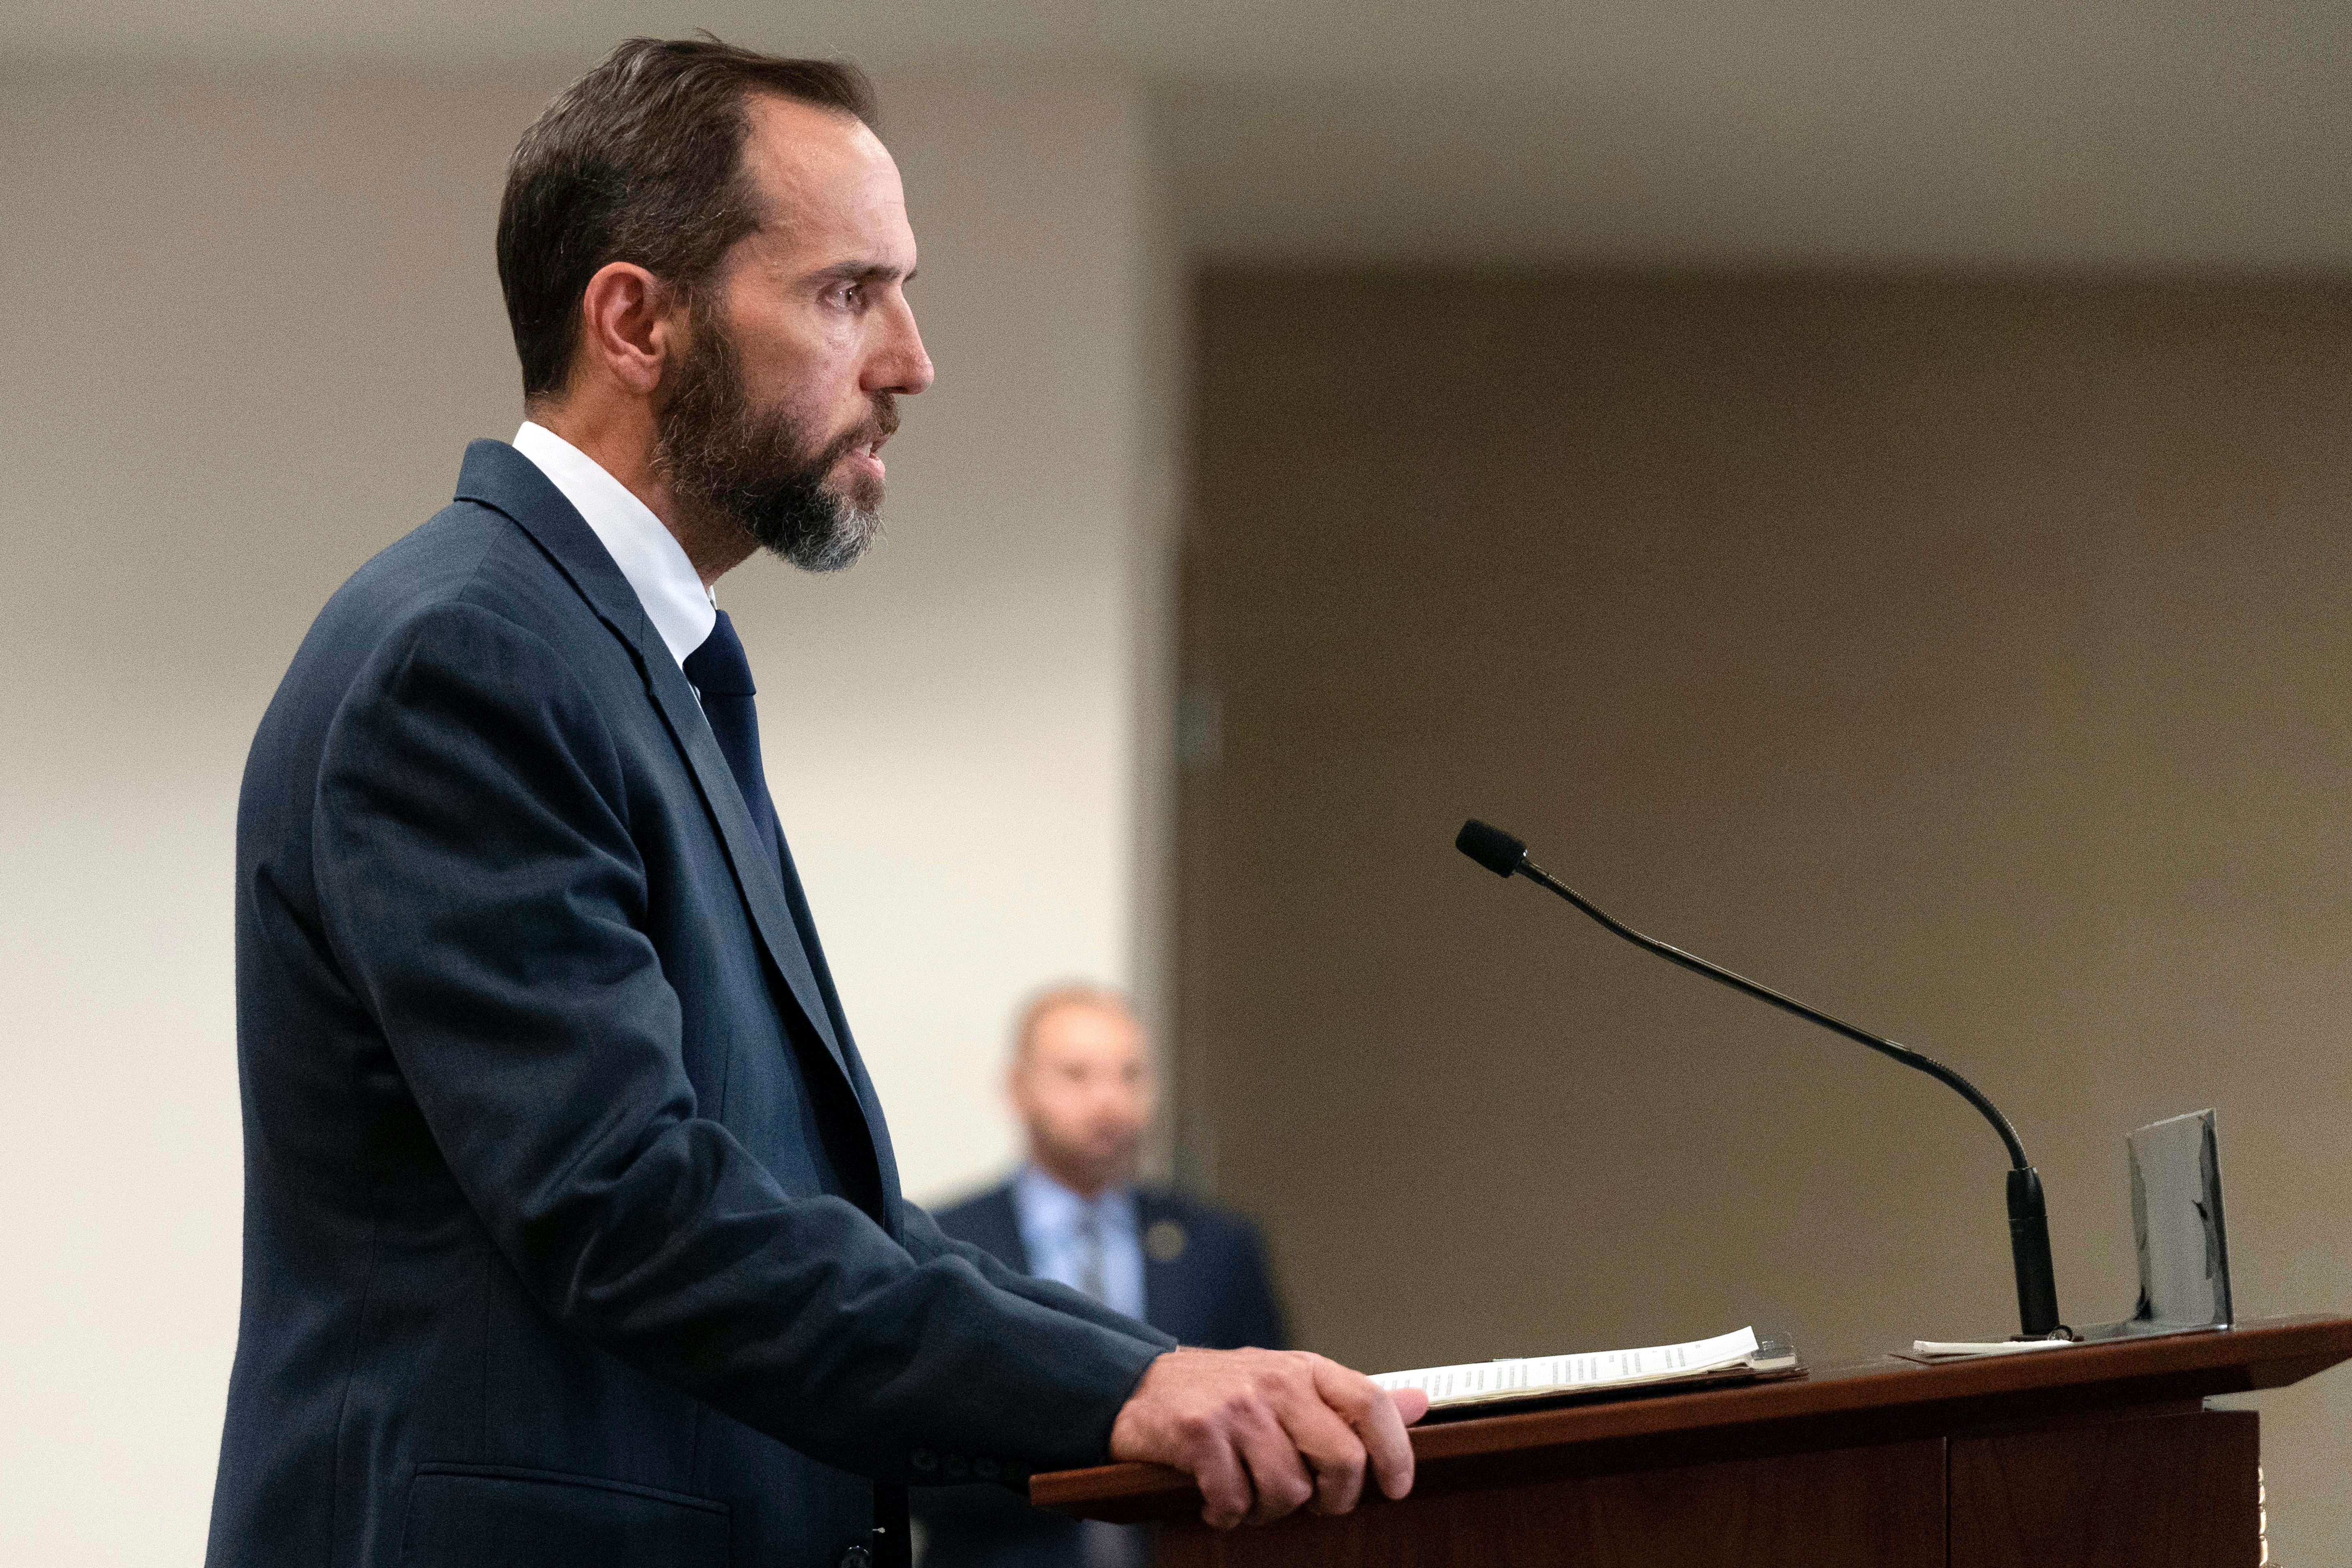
x=1491 y=847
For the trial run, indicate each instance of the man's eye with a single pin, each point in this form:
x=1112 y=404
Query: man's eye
x=848 y=295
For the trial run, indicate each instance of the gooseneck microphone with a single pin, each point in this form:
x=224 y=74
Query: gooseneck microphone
x=2029 y=1213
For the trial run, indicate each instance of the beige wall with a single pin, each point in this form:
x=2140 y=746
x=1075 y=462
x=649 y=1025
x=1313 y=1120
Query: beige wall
x=1973 y=659
x=255 y=320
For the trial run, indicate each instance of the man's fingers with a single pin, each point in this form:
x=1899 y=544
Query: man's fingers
x=1411 y=1403
x=1379 y=1419
x=1275 y=1468
x=1334 y=1454
x=1225 y=1495
x=1264 y=1433
x=1390 y=1449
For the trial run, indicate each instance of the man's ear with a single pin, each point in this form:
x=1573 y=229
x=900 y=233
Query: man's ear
x=630 y=326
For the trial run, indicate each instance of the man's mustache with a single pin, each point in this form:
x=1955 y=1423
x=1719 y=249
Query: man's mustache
x=873 y=430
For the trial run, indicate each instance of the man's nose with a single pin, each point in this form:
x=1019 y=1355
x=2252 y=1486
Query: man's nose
x=903 y=366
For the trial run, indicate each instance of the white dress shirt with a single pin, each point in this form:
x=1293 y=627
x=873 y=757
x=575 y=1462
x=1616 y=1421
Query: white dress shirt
x=1050 y=1216
x=648 y=555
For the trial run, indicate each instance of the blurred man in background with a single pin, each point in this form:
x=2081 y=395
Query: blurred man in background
x=1081 y=1082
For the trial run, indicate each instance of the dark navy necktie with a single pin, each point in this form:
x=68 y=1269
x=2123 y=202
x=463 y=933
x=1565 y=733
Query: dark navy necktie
x=722 y=677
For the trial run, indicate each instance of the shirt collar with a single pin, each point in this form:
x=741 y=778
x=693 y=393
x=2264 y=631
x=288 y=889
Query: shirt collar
x=1052 y=1208
x=648 y=555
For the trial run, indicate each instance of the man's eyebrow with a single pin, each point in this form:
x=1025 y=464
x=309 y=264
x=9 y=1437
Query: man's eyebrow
x=861 y=272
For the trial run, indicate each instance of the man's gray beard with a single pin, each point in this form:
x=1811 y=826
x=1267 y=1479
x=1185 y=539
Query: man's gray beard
x=853 y=530
x=816 y=530
x=723 y=457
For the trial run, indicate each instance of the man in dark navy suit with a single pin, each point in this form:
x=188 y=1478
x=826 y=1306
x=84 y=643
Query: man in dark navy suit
x=1081 y=1083
x=573 y=1231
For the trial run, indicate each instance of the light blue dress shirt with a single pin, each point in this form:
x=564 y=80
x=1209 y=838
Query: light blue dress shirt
x=1052 y=1219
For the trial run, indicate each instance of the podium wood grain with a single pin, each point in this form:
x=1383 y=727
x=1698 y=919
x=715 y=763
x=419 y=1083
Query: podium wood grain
x=2174 y=1493
x=1853 y=1508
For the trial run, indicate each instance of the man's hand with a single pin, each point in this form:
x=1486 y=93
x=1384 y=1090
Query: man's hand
x=1262 y=1432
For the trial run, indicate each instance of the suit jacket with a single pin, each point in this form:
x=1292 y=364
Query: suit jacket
x=573 y=1231
x=1205 y=1282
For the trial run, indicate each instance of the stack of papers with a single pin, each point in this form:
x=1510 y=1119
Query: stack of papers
x=1549 y=1377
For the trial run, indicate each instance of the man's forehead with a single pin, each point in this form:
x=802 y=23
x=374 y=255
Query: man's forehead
x=1081 y=1024
x=823 y=171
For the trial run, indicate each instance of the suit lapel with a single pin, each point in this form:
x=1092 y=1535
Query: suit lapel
x=757 y=871
x=1001 y=1213
x=821 y=975
x=498 y=476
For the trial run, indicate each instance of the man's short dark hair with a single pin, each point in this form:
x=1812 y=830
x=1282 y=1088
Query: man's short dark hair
x=640 y=160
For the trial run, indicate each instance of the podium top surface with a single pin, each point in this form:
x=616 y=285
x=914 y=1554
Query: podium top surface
x=1877 y=1401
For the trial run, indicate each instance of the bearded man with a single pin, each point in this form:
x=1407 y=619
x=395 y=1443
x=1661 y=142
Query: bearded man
x=572 y=1232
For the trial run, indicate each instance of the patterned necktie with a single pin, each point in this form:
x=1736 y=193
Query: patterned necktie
x=1090 y=1255
x=1104 y=1545
x=722 y=677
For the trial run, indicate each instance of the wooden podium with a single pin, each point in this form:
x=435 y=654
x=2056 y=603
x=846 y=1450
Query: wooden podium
x=2096 y=1455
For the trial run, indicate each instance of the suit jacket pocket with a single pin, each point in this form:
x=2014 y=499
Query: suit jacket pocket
x=492 y=1516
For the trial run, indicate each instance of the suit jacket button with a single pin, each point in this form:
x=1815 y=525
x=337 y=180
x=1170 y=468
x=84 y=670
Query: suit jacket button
x=857 y=1557
x=985 y=1469
x=958 y=1467
x=924 y=1460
